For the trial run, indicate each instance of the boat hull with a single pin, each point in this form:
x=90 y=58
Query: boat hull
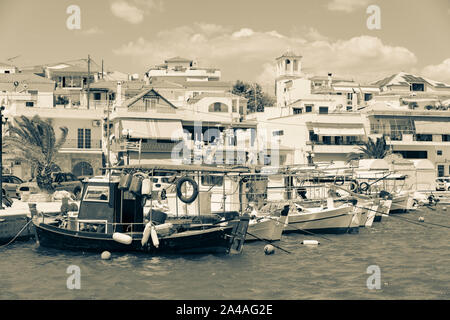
x=269 y=229
x=214 y=240
x=336 y=220
x=399 y=204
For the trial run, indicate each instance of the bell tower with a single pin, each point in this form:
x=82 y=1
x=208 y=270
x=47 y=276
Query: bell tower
x=288 y=68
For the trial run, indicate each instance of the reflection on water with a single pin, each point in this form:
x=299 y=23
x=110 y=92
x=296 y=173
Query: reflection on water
x=413 y=261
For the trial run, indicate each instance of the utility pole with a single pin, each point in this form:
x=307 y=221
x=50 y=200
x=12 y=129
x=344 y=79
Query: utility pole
x=88 y=79
x=1 y=157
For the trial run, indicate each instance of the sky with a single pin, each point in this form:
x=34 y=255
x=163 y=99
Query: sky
x=240 y=37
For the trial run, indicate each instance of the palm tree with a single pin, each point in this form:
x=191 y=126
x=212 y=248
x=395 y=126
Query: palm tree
x=33 y=141
x=370 y=150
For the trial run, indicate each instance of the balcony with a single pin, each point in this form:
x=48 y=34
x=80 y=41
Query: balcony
x=320 y=147
x=77 y=146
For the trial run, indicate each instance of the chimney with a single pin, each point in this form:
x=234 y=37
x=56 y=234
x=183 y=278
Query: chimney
x=119 y=94
x=330 y=78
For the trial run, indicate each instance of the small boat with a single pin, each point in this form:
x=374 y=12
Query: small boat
x=400 y=202
x=267 y=227
x=321 y=219
x=111 y=218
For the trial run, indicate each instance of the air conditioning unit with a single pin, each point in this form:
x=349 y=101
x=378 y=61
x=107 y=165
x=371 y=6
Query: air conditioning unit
x=96 y=123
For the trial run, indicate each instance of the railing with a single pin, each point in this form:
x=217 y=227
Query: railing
x=81 y=144
x=333 y=143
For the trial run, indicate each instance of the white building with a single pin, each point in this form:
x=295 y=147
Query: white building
x=178 y=68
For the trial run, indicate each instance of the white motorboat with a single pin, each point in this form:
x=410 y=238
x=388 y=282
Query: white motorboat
x=267 y=227
x=321 y=219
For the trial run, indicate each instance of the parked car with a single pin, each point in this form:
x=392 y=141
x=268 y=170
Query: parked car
x=440 y=184
x=446 y=181
x=61 y=181
x=10 y=184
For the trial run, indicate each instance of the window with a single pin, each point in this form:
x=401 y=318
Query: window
x=288 y=62
x=295 y=65
x=84 y=138
x=440 y=170
x=87 y=138
x=313 y=137
x=308 y=108
x=6 y=71
x=367 y=96
x=439 y=152
x=323 y=110
x=417 y=87
x=97 y=96
x=210 y=180
x=349 y=108
x=234 y=105
x=297 y=110
x=338 y=140
x=413 y=154
x=326 y=140
x=97 y=194
x=424 y=137
x=446 y=137
x=349 y=96
x=218 y=107
x=29 y=104
x=278 y=133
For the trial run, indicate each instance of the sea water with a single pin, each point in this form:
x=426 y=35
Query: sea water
x=412 y=259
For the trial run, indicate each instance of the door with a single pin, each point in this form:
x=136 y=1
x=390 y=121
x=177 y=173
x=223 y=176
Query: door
x=440 y=169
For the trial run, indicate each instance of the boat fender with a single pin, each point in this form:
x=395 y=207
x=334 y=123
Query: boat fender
x=310 y=242
x=146 y=186
x=421 y=219
x=122 y=238
x=194 y=185
x=154 y=236
x=125 y=181
x=353 y=186
x=136 y=184
x=364 y=186
x=146 y=233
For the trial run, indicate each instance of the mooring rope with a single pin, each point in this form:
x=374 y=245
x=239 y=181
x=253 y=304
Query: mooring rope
x=15 y=237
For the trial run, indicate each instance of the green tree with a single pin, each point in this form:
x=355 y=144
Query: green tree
x=370 y=150
x=250 y=92
x=33 y=141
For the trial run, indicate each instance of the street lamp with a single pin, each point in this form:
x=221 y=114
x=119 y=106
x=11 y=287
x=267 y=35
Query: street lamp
x=2 y=108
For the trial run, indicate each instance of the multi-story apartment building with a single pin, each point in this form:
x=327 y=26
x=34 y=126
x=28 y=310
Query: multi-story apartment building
x=414 y=114
x=181 y=69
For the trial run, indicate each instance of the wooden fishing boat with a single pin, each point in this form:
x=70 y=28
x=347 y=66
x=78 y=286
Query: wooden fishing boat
x=111 y=218
x=321 y=220
x=267 y=227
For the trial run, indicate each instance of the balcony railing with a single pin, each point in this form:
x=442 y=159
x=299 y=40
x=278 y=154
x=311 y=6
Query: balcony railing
x=82 y=144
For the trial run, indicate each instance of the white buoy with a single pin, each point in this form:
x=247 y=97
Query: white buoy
x=421 y=219
x=444 y=208
x=106 y=255
x=146 y=186
x=154 y=237
x=146 y=233
x=269 y=249
x=310 y=242
x=122 y=238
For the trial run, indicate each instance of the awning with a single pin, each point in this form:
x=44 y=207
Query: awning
x=341 y=131
x=430 y=127
x=153 y=129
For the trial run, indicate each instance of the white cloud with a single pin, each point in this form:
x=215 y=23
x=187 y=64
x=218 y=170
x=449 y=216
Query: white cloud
x=439 y=72
x=248 y=54
x=347 y=5
x=244 y=32
x=133 y=11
